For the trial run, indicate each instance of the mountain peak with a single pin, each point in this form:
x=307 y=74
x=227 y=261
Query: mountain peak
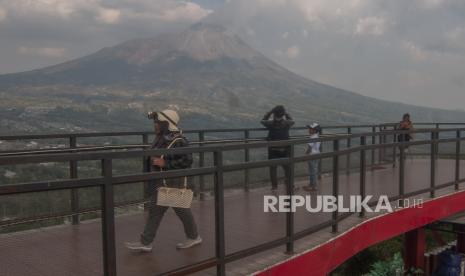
x=200 y=42
x=206 y=41
x=207 y=26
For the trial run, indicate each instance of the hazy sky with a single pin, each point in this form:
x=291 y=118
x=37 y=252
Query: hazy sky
x=402 y=50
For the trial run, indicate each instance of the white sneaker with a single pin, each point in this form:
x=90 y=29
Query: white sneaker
x=138 y=246
x=189 y=243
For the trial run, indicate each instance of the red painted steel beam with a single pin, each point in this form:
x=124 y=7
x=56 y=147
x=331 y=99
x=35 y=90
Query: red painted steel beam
x=326 y=257
x=414 y=249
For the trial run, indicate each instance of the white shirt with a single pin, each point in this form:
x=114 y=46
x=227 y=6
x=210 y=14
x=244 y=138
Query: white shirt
x=314 y=147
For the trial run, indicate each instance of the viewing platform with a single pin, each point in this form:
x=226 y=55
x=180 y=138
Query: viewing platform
x=231 y=179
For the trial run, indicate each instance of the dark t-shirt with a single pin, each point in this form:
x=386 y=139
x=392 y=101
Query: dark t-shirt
x=278 y=130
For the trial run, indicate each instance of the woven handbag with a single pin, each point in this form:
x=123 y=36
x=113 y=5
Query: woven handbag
x=174 y=197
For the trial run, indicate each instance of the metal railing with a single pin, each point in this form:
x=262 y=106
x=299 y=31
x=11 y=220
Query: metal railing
x=200 y=139
x=107 y=181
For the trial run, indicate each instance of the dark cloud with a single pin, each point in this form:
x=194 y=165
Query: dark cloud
x=396 y=50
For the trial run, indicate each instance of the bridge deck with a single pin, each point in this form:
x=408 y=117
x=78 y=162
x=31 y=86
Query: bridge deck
x=76 y=250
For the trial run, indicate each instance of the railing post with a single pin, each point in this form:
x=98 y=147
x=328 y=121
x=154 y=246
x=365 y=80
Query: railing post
x=394 y=148
x=362 y=171
x=108 y=220
x=401 y=174
x=219 y=214
x=201 y=164
x=383 y=149
x=320 y=161
x=73 y=173
x=457 y=159
x=146 y=168
x=349 y=142
x=290 y=193
x=247 y=159
x=380 y=150
x=384 y=142
x=335 y=182
x=433 y=163
x=373 y=142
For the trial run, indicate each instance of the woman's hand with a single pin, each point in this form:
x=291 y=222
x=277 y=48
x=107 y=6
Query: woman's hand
x=159 y=162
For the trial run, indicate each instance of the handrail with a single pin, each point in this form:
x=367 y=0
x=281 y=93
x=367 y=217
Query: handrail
x=63 y=157
x=74 y=148
x=130 y=146
x=144 y=134
x=149 y=132
x=124 y=179
x=108 y=180
x=189 y=131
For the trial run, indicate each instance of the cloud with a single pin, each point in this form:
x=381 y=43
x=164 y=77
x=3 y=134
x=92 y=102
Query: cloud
x=43 y=52
x=360 y=45
x=250 y=32
x=2 y=14
x=430 y=4
x=84 y=26
x=108 y=12
x=455 y=39
x=184 y=11
x=373 y=25
x=414 y=51
x=54 y=8
x=323 y=14
x=293 y=52
x=305 y=33
x=422 y=36
x=109 y=16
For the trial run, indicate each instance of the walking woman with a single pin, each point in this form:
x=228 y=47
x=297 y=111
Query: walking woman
x=167 y=136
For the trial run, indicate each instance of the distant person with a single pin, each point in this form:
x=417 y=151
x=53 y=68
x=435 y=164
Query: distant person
x=405 y=124
x=167 y=133
x=278 y=129
x=314 y=130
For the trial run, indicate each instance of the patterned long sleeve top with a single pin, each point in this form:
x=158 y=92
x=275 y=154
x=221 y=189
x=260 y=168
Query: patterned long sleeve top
x=179 y=161
x=174 y=161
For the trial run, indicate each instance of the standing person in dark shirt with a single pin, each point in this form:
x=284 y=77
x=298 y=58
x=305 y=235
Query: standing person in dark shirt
x=278 y=129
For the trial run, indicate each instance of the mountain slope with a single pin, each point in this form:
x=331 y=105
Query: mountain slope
x=211 y=75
